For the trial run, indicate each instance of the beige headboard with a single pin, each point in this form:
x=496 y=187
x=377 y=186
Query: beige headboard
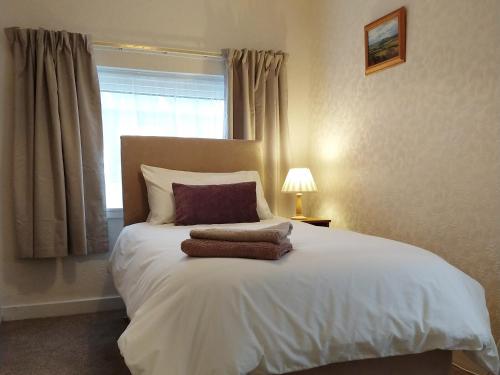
x=187 y=154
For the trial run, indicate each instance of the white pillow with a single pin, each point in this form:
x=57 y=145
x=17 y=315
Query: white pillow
x=161 y=197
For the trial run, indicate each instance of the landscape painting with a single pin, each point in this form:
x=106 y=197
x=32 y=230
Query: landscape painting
x=385 y=41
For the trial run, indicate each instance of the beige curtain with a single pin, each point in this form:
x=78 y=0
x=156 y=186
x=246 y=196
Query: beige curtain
x=58 y=151
x=257 y=101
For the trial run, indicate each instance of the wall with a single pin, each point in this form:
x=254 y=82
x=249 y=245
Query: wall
x=412 y=153
x=200 y=24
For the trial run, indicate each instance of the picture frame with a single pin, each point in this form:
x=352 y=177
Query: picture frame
x=385 y=41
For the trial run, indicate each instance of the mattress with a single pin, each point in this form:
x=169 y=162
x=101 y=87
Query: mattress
x=338 y=296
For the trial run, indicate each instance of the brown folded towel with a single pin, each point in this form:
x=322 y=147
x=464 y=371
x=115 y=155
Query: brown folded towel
x=232 y=249
x=275 y=234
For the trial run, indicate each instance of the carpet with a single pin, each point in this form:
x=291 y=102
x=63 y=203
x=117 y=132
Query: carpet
x=79 y=345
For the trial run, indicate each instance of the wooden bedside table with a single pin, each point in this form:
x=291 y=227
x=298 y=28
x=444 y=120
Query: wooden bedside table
x=316 y=221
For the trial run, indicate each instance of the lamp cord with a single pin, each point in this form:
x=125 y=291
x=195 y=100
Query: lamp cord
x=464 y=369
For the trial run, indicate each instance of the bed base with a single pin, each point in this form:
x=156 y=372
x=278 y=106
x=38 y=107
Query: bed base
x=436 y=362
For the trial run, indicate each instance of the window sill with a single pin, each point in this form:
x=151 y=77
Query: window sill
x=114 y=213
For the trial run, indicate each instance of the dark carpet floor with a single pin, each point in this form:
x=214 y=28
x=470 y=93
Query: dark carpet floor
x=79 y=345
x=71 y=345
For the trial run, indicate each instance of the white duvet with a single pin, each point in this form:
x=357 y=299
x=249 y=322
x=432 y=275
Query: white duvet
x=339 y=296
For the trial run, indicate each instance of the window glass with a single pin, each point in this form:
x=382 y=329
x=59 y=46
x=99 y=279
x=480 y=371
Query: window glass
x=138 y=102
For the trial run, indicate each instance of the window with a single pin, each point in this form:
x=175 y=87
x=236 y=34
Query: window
x=138 y=102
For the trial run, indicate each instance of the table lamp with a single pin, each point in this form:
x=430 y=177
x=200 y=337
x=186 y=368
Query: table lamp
x=299 y=180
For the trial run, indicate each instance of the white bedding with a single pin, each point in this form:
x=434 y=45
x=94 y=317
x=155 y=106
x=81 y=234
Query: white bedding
x=338 y=296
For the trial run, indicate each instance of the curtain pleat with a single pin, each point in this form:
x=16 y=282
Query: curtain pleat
x=58 y=163
x=257 y=107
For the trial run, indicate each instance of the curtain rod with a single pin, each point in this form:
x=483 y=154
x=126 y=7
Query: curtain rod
x=155 y=49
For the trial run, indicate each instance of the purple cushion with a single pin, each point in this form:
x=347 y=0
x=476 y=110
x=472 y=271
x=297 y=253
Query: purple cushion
x=215 y=204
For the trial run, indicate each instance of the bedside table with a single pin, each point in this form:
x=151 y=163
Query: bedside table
x=316 y=221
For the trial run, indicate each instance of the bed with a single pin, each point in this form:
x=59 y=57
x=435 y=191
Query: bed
x=340 y=303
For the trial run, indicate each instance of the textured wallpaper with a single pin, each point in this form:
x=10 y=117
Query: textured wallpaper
x=412 y=153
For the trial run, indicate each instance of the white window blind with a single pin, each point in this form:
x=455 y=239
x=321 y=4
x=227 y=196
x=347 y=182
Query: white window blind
x=138 y=102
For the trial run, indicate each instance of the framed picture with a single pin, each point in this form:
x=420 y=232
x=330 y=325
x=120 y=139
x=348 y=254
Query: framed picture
x=385 y=41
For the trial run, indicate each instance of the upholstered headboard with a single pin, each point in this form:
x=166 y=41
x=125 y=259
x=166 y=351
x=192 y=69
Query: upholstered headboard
x=187 y=154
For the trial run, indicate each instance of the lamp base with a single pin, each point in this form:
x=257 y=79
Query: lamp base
x=298 y=207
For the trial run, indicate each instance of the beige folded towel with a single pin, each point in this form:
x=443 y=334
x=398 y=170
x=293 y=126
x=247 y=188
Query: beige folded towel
x=274 y=234
x=232 y=249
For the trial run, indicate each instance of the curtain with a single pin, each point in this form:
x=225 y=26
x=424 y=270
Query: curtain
x=257 y=107
x=59 y=196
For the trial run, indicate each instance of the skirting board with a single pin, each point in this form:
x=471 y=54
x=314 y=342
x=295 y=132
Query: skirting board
x=61 y=308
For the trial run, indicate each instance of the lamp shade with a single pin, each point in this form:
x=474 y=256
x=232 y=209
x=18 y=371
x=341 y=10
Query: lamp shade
x=299 y=180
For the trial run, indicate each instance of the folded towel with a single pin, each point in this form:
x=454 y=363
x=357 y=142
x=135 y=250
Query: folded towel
x=232 y=249
x=274 y=234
